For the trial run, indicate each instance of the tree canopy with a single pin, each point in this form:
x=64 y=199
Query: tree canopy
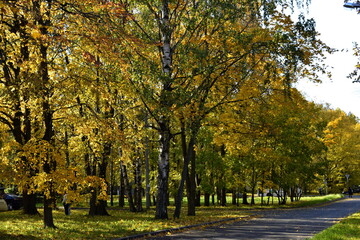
x=192 y=97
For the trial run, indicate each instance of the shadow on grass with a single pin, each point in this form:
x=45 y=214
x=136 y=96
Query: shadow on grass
x=5 y=236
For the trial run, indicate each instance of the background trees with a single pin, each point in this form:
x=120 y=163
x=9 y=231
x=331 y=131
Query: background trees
x=340 y=137
x=96 y=95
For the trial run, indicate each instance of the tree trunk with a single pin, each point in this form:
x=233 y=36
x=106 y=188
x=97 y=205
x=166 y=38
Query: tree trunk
x=97 y=207
x=29 y=203
x=198 y=198
x=234 y=202
x=165 y=103
x=49 y=165
x=252 y=195
x=292 y=194
x=90 y=168
x=198 y=192
x=154 y=199
x=92 y=210
x=184 y=174
x=147 y=173
x=192 y=185
x=49 y=203
x=111 y=182
x=29 y=199
x=163 y=172
x=128 y=189
x=21 y=121
x=100 y=206
x=283 y=202
x=188 y=155
x=223 y=196
x=245 y=201
x=207 y=199
x=253 y=185
x=138 y=186
x=122 y=187
x=218 y=195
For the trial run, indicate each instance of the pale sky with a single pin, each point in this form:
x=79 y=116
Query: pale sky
x=338 y=27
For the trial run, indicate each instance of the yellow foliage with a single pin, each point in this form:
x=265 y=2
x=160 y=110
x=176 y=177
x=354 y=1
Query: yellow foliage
x=35 y=33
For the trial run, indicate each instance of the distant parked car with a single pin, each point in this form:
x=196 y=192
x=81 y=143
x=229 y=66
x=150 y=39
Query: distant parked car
x=13 y=201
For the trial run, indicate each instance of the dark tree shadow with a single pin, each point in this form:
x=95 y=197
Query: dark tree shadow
x=6 y=236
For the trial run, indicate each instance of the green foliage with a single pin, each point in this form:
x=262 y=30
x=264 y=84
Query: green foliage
x=88 y=86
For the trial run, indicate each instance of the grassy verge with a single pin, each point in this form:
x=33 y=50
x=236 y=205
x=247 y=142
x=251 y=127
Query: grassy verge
x=309 y=201
x=348 y=229
x=121 y=223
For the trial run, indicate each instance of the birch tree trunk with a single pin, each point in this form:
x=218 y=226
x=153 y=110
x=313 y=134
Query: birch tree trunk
x=164 y=120
x=163 y=174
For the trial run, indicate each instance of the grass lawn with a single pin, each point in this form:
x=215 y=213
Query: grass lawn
x=348 y=228
x=15 y=225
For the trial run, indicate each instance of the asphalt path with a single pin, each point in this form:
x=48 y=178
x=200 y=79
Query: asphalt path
x=299 y=223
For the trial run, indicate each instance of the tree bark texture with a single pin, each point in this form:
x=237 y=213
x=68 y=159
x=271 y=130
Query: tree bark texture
x=147 y=173
x=163 y=174
x=191 y=184
x=122 y=187
x=49 y=165
x=163 y=120
x=207 y=199
x=128 y=188
x=184 y=174
x=29 y=203
x=138 y=186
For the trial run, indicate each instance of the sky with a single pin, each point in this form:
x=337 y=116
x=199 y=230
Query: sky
x=337 y=26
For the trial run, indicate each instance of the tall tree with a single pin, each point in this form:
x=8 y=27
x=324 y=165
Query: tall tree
x=39 y=59
x=207 y=52
x=15 y=72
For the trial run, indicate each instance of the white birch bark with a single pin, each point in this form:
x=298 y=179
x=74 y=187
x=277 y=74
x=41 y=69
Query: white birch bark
x=164 y=122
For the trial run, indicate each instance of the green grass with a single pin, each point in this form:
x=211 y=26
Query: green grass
x=78 y=225
x=309 y=201
x=347 y=229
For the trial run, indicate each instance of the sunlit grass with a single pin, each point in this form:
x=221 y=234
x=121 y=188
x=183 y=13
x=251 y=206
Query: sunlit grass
x=78 y=225
x=309 y=201
x=121 y=222
x=347 y=229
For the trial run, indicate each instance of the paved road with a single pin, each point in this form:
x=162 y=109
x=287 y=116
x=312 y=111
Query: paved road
x=298 y=223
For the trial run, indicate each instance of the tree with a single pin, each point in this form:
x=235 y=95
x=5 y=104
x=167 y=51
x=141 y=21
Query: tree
x=15 y=108
x=206 y=52
x=39 y=53
x=342 y=149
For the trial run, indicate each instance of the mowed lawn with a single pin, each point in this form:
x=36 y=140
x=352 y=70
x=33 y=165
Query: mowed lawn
x=347 y=229
x=78 y=225
x=121 y=222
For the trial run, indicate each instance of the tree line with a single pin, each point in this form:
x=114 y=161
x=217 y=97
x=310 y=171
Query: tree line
x=164 y=98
